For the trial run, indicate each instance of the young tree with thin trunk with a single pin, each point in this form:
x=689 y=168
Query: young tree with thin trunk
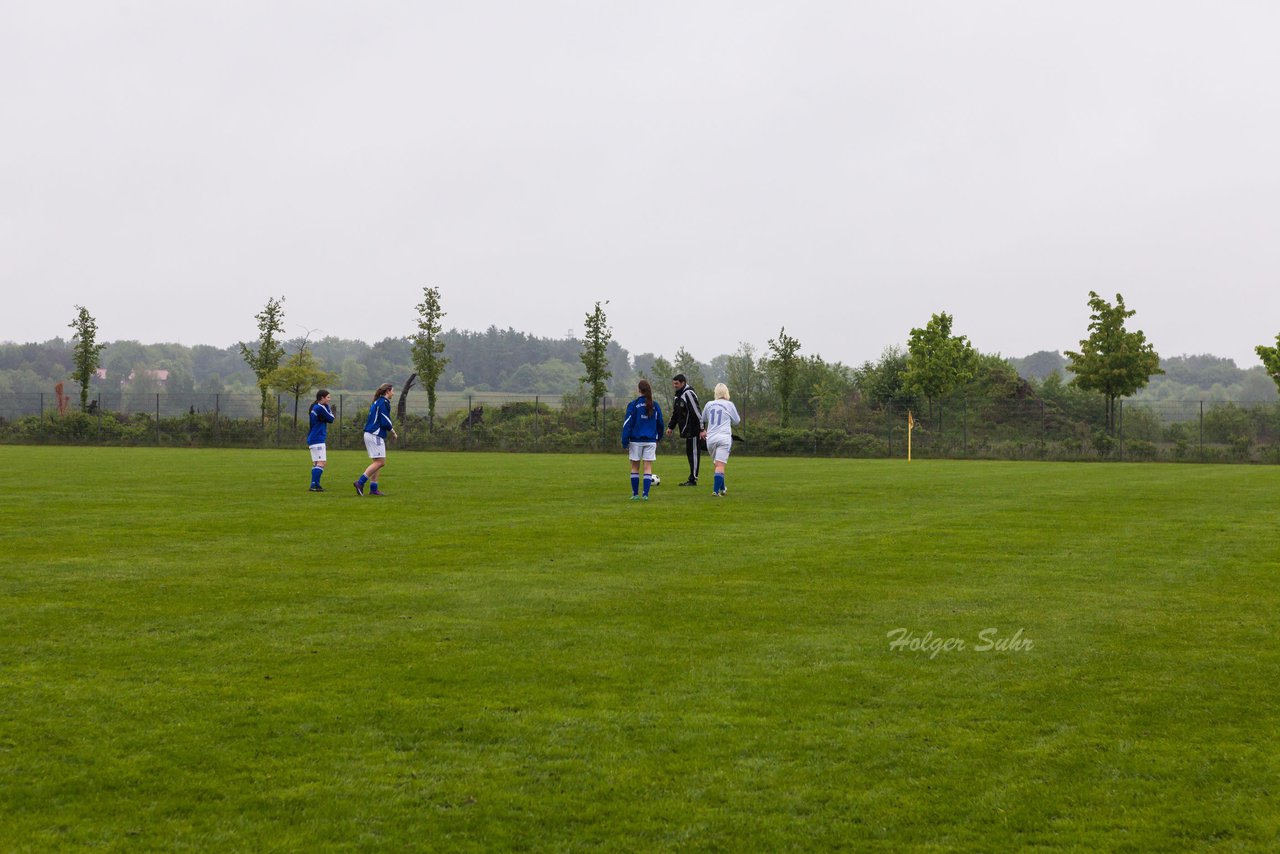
x=1112 y=360
x=86 y=351
x=595 y=358
x=300 y=375
x=938 y=362
x=427 y=349
x=264 y=360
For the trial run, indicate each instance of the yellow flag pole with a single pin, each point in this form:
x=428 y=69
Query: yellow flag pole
x=911 y=425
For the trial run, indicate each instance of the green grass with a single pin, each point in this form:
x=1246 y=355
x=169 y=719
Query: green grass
x=507 y=653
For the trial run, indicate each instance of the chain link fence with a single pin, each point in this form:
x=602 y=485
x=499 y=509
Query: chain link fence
x=1017 y=429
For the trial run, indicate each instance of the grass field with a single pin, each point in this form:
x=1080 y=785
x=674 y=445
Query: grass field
x=506 y=653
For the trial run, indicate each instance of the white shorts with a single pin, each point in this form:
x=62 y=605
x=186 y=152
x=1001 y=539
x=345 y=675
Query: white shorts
x=376 y=446
x=317 y=453
x=642 y=451
x=719 y=451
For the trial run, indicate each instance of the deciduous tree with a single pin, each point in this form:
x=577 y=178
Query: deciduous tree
x=300 y=375
x=784 y=367
x=428 y=347
x=595 y=359
x=938 y=362
x=1270 y=357
x=86 y=351
x=692 y=369
x=265 y=358
x=1112 y=360
x=742 y=374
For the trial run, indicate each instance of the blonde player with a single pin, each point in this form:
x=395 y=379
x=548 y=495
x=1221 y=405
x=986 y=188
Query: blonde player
x=718 y=418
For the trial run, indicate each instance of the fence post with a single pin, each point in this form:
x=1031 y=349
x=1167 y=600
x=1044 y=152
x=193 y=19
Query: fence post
x=278 y=419
x=537 y=419
x=888 y=432
x=471 y=426
x=217 y=417
x=341 y=398
x=157 y=419
x=1120 y=426
x=964 y=426
x=1202 y=431
x=42 y=413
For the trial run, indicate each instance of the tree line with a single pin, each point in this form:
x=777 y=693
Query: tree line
x=936 y=364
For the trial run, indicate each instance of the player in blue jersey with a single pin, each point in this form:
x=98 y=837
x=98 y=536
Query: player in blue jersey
x=718 y=418
x=376 y=428
x=321 y=418
x=641 y=430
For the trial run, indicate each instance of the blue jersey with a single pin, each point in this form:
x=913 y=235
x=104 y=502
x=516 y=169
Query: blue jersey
x=379 y=421
x=639 y=425
x=321 y=418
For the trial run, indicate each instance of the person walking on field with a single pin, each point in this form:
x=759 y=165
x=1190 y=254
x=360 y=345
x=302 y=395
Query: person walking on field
x=686 y=416
x=720 y=416
x=641 y=430
x=376 y=428
x=321 y=418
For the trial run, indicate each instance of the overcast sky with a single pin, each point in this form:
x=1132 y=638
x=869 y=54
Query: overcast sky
x=716 y=170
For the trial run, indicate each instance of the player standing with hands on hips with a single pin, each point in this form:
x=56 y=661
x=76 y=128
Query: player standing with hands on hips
x=641 y=430
x=321 y=418
x=720 y=416
x=376 y=428
x=686 y=416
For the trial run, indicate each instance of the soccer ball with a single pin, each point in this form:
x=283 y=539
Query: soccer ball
x=656 y=480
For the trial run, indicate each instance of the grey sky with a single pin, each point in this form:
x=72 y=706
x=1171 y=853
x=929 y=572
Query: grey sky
x=714 y=169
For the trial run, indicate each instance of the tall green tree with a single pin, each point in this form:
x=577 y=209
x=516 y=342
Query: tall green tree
x=265 y=358
x=1112 y=360
x=85 y=351
x=595 y=359
x=784 y=368
x=1270 y=357
x=428 y=347
x=938 y=362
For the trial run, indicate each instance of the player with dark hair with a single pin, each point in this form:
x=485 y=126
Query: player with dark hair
x=321 y=418
x=686 y=416
x=376 y=428
x=641 y=430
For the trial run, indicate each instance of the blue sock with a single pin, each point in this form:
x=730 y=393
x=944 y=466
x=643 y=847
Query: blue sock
x=648 y=482
x=363 y=480
x=719 y=484
x=316 y=471
x=635 y=484
x=373 y=487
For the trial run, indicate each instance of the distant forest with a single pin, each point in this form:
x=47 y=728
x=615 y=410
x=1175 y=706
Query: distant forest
x=505 y=360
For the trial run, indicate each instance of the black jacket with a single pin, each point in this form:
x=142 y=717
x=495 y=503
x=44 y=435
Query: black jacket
x=686 y=413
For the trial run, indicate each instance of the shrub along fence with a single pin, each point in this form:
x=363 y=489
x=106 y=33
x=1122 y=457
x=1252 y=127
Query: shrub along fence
x=1019 y=429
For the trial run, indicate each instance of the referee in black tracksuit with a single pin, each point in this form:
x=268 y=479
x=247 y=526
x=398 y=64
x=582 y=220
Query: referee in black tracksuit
x=686 y=416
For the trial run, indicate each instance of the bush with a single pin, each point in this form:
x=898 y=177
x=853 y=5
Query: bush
x=1141 y=449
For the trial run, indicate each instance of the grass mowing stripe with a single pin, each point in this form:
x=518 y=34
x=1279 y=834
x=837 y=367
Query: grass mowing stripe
x=506 y=652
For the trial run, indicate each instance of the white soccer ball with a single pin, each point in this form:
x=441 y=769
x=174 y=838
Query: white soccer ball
x=656 y=480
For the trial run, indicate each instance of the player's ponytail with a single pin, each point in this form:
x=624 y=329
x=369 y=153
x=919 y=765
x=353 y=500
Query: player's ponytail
x=320 y=394
x=647 y=391
x=382 y=390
